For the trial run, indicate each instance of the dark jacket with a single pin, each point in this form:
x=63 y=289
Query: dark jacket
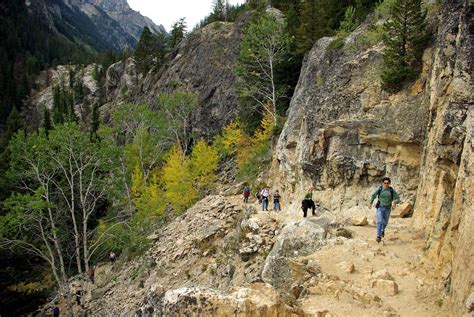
x=308 y=204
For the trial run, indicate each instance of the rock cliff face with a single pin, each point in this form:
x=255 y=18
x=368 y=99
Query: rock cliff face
x=43 y=97
x=343 y=133
x=204 y=64
x=444 y=201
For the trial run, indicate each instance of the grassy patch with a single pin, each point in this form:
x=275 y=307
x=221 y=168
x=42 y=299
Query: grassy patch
x=337 y=43
x=371 y=37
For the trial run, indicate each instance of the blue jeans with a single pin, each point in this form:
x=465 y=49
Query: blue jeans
x=276 y=205
x=383 y=214
x=265 y=203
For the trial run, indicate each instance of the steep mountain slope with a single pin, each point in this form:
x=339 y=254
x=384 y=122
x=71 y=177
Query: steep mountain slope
x=99 y=24
x=203 y=63
x=131 y=21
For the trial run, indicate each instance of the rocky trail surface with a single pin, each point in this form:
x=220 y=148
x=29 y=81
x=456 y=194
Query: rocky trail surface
x=360 y=277
x=224 y=258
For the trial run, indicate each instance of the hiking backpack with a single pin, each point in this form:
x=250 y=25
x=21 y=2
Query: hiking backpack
x=379 y=190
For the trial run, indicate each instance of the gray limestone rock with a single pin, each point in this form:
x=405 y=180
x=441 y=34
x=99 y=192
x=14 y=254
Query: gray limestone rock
x=296 y=239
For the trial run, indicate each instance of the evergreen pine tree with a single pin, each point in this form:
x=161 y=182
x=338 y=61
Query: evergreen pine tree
x=349 y=23
x=218 y=12
x=405 y=36
x=318 y=18
x=13 y=123
x=95 y=121
x=57 y=111
x=144 y=51
x=161 y=48
x=178 y=31
x=72 y=75
x=47 y=125
x=69 y=99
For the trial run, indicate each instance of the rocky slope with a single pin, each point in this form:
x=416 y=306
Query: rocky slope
x=343 y=133
x=43 y=97
x=223 y=258
x=208 y=261
x=203 y=64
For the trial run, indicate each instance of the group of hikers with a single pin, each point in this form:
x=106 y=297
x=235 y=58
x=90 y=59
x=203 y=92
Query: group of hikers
x=263 y=197
x=386 y=196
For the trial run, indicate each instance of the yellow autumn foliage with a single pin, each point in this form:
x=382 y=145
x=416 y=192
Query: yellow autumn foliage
x=266 y=128
x=148 y=199
x=203 y=164
x=178 y=181
x=231 y=139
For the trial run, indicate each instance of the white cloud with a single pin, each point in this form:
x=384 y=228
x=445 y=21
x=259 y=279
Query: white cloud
x=166 y=12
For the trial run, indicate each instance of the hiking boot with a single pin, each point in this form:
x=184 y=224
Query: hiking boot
x=383 y=234
x=378 y=239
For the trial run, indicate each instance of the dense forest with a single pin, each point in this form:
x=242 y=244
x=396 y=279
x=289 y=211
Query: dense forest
x=74 y=191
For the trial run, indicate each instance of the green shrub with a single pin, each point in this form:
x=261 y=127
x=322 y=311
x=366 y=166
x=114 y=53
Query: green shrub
x=383 y=8
x=259 y=157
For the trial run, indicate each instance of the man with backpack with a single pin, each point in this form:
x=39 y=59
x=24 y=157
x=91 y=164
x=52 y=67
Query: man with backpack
x=308 y=203
x=246 y=194
x=386 y=198
x=265 y=194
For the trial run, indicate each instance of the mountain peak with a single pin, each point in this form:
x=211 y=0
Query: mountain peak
x=102 y=24
x=112 y=5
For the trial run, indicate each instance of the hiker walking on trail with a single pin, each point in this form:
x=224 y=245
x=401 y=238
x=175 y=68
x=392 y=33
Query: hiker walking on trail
x=246 y=194
x=265 y=195
x=79 y=293
x=308 y=203
x=386 y=198
x=56 y=311
x=276 y=201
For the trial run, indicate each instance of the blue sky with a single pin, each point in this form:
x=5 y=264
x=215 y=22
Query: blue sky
x=166 y=12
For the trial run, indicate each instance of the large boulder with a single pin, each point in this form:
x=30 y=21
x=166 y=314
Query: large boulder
x=360 y=221
x=403 y=210
x=296 y=239
x=386 y=287
x=256 y=300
